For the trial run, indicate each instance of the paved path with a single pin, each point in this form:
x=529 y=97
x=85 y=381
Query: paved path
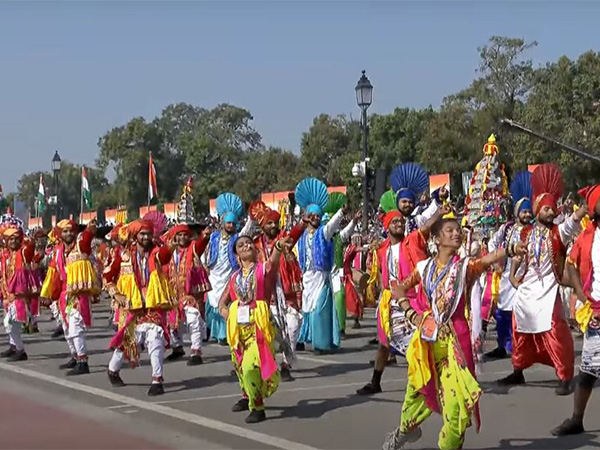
x=42 y=408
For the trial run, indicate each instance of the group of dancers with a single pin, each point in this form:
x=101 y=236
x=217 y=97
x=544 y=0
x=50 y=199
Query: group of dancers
x=266 y=290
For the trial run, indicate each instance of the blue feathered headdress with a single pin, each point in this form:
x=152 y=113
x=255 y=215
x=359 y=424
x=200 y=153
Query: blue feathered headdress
x=311 y=195
x=229 y=207
x=409 y=180
x=521 y=191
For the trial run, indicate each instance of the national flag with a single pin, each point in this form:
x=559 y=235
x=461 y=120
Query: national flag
x=152 y=189
x=41 y=197
x=85 y=189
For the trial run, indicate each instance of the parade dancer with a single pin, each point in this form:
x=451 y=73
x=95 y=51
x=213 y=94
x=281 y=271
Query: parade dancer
x=118 y=238
x=320 y=326
x=250 y=332
x=583 y=265
x=541 y=333
x=190 y=281
x=441 y=367
x=221 y=262
x=138 y=282
x=285 y=303
x=72 y=276
x=18 y=285
x=397 y=257
x=507 y=234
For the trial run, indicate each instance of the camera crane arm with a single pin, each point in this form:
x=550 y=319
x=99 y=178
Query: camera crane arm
x=550 y=140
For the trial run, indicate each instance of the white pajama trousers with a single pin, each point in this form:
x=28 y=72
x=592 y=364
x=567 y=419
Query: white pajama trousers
x=56 y=313
x=13 y=328
x=148 y=336
x=196 y=328
x=293 y=321
x=75 y=333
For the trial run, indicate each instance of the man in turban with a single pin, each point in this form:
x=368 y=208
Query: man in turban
x=137 y=281
x=72 y=281
x=507 y=234
x=286 y=300
x=190 y=281
x=541 y=333
x=397 y=257
x=583 y=265
x=17 y=287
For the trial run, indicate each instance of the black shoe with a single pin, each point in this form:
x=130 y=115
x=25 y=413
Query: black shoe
x=195 y=360
x=369 y=389
x=58 y=333
x=241 y=405
x=569 y=427
x=356 y=325
x=115 y=379
x=81 y=368
x=233 y=373
x=8 y=353
x=223 y=342
x=69 y=364
x=300 y=347
x=343 y=335
x=34 y=329
x=18 y=356
x=319 y=352
x=286 y=375
x=256 y=416
x=563 y=388
x=374 y=341
x=178 y=353
x=514 y=379
x=498 y=353
x=156 y=389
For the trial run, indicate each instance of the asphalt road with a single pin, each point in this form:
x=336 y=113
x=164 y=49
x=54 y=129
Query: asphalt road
x=42 y=408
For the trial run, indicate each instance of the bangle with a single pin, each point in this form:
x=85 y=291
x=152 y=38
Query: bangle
x=278 y=246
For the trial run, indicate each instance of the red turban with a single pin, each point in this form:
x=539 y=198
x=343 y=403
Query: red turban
x=389 y=216
x=270 y=215
x=179 y=229
x=66 y=223
x=260 y=212
x=140 y=225
x=592 y=196
x=542 y=200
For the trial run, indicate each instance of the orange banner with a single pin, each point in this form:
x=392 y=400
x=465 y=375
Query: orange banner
x=439 y=180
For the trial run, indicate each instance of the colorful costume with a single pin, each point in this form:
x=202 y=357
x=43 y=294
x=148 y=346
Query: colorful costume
x=71 y=280
x=190 y=282
x=285 y=303
x=507 y=234
x=441 y=368
x=251 y=334
x=315 y=253
x=540 y=332
x=137 y=277
x=221 y=262
x=19 y=284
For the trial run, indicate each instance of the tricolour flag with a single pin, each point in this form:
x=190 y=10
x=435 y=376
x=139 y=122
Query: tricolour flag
x=86 y=193
x=41 y=197
x=152 y=189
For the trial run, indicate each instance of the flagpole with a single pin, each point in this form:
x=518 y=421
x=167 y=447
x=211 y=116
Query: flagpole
x=149 y=177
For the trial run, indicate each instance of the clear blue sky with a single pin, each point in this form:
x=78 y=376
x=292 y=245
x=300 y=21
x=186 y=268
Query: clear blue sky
x=70 y=71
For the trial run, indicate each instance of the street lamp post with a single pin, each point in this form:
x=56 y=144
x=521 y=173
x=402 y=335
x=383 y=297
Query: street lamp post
x=56 y=168
x=364 y=97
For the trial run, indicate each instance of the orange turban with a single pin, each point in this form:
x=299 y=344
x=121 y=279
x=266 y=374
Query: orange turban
x=262 y=213
x=389 y=216
x=592 y=196
x=66 y=223
x=114 y=233
x=140 y=225
x=10 y=231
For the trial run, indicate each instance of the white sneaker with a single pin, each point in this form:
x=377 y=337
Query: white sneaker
x=397 y=440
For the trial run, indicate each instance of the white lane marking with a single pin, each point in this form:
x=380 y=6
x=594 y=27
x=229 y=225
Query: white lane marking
x=261 y=438
x=279 y=392
x=130 y=411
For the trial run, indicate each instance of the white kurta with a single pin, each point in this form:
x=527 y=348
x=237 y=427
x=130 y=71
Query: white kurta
x=313 y=281
x=596 y=266
x=507 y=294
x=536 y=296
